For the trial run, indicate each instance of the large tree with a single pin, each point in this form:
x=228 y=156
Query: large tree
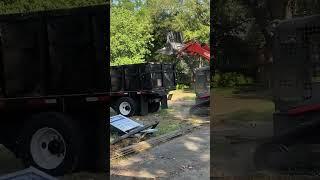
x=191 y=17
x=130 y=35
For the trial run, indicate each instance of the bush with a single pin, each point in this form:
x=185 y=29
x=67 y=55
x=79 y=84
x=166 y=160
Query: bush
x=184 y=79
x=181 y=86
x=231 y=79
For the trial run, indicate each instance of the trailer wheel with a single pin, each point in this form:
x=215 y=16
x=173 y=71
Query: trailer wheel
x=52 y=143
x=153 y=107
x=126 y=106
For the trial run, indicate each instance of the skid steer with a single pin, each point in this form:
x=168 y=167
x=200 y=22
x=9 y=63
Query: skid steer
x=295 y=85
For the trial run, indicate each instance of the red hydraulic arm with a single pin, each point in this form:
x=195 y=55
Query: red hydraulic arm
x=194 y=48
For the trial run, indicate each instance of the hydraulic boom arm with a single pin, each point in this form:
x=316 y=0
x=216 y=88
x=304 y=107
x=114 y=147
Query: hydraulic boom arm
x=196 y=49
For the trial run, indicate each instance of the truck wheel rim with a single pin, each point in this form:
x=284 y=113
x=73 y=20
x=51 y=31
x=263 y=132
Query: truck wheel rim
x=48 y=148
x=125 y=108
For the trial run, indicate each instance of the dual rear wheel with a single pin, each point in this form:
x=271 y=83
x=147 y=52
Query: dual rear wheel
x=127 y=106
x=52 y=143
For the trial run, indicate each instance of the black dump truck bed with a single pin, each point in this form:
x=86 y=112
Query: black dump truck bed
x=54 y=52
x=143 y=77
x=54 y=88
x=141 y=88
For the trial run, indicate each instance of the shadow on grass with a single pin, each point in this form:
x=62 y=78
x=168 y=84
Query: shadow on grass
x=188 y=90
x=245 y=116
x=240 y=94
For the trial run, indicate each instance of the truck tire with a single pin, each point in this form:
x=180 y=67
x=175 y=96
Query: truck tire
x=153 y=107
x=52 y=143
x=126 y=106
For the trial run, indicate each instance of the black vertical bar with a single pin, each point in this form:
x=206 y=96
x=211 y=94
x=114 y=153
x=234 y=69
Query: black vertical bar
x=140 y=79
x=143 y=105
x=94 y=50
x=2 y=79
x=123 y=78
x=162 y=74
x=102 y=126
x=45 y=55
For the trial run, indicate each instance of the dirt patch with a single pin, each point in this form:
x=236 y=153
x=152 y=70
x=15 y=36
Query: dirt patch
x=238 y=115
x=185 y=157
x=174 y=118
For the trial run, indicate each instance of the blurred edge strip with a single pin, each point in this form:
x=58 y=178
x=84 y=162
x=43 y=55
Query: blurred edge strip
x=297 y=177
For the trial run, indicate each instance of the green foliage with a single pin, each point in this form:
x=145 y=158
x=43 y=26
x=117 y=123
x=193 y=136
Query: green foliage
x=130 y=36
x=230 y=80
x=21 y=6
x=157 y=17
x=182 y=86
x=190 y=17
x=193 y=19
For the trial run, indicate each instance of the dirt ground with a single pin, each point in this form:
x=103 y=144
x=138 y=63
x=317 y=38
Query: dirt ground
x=186 y=157
x=237 y=116
x=177 y=116
x=240 y=117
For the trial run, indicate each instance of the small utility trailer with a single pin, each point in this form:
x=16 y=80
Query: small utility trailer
x=139 y=89
x=54 y=88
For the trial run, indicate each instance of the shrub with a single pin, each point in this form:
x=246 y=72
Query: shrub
x=230 y=79
x=181 y=86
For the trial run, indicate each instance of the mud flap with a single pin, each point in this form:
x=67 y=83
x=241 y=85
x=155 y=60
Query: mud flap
x=143 y=106
x=98 y=146
x=164 y=102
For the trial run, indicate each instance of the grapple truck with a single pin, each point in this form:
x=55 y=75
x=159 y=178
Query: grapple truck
x=54 y=73
x=176 y=46
x=296 y=91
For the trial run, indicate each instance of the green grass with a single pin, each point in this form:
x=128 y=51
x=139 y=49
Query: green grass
x=168 y=123
x=166 y=112
x=188 y=98
x=246 y=116
x=223 y=91
x=252 y=111
x=164 y=128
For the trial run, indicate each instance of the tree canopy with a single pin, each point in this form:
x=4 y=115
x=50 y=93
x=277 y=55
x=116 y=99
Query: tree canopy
x=130 y=36
x=155 y=19
x=20 y=6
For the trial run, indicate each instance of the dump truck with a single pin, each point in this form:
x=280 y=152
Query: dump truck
x=54 y=83
x=139 y=89
x=295 y=85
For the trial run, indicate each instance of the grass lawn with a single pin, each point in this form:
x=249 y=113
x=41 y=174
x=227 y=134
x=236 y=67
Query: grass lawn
x=229 y=107
x=183 y=95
